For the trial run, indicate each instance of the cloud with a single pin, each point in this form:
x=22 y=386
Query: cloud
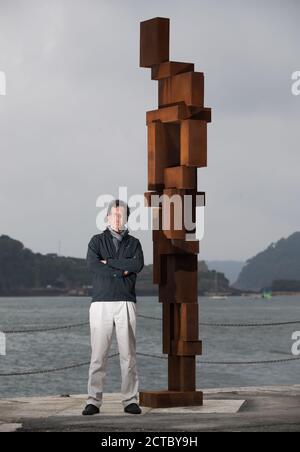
x=72 y=125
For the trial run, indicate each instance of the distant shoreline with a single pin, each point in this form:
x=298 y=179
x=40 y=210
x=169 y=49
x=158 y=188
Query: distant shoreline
x=58 y=293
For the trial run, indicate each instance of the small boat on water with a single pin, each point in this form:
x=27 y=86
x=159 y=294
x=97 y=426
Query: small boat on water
x=267 y=294
x=218 y=297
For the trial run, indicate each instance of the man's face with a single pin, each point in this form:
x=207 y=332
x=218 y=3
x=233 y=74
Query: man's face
x=116 y=218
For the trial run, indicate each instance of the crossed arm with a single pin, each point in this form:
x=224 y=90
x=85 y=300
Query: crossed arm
x=111 y=266
x=95 y=265
x=129 y=264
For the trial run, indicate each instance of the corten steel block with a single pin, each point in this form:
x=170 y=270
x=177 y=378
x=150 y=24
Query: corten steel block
x=158 y=259
x=177 y=113
x=173 y=216
x=173 y=211
x=172 y=228
x=186 y=348
x=187 y=321
x=173 y=246
x=167 y=327
x=163 y=151
x=180 y=323
x=156 y=265
x=182 y=373
x=187 y=87
x=180 y=177
x=154 y=41
x=156 y=219
x=193 y=143
x=169 y=217
x=181 y=279
x=170 y=68
x=203 y=115
x=179 y=212
x=152 y=198
x=159 y=265
x=173 y=114
x=155 y=199
x=169 y=399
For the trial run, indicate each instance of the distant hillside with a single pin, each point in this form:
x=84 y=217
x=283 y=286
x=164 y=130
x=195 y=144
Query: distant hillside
x=231 y=269
x=23 y=272
x=279 y=261
x=208 y=282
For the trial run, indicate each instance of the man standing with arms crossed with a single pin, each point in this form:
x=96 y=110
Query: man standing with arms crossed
x=114 y=258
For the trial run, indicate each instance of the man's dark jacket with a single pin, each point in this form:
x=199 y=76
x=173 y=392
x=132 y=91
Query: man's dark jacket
x=109 y=284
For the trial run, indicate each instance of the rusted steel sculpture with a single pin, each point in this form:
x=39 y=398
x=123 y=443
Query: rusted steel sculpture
x=177 y=146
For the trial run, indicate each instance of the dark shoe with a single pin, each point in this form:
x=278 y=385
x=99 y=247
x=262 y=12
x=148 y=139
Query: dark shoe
x=133 y=408
x=90 y=410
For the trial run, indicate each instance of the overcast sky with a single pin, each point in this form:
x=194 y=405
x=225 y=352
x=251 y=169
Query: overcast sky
x=72 y=123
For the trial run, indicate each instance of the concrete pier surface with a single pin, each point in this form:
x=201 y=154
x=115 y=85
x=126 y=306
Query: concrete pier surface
x=263 y=409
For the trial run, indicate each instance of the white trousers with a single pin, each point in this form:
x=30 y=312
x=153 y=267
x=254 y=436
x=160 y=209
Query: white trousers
x=104 y=317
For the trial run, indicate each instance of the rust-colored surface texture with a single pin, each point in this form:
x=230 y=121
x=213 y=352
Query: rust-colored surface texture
x=177 y=146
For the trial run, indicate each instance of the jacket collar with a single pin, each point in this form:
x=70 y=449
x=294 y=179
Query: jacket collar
x=109 y=234
x=122 y=242
x=118 y=235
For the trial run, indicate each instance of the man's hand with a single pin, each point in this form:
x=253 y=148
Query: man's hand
x=126 y=272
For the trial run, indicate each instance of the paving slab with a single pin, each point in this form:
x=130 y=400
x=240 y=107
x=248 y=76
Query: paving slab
x=228 y=409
